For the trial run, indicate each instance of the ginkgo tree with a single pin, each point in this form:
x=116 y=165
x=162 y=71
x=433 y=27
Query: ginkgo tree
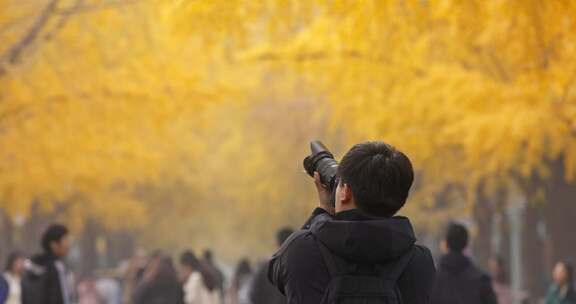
x=480 y=94
x=92 y=105
x=108 y=96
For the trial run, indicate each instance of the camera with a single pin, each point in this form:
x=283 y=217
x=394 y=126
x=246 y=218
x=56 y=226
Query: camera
x=322 y=161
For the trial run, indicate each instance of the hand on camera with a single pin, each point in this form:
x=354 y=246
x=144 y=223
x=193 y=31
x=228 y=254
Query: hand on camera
x=323 y=194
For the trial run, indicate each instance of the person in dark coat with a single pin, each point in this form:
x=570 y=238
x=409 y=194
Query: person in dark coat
x=46 y=279
x=238 y=292
x=562 y=289
x=261 y=290
x=216 y=273
x=4 y=290
x=160 y=284
x=374 y=181
x=459 y=281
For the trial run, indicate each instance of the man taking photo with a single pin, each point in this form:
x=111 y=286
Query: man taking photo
x=358 y=251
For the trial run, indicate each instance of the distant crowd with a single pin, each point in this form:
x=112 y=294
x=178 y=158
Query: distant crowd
x=353 y=249
x=146 y=279
x=155 y=279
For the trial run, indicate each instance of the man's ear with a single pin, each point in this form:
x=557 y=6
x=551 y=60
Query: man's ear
x=345 y=195
x=443 y=246
x=53 y=246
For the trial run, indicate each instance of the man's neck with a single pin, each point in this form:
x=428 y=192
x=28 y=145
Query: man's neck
x=347 y=207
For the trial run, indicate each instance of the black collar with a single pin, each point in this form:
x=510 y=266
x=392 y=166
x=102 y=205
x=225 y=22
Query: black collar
x=356 y=215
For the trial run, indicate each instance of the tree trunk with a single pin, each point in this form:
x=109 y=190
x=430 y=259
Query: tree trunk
x=533 y=247
x=32 y=231
x=88 y=254
x=560 y=212
x=6 y=235
x=482 y=243
x=121 y=246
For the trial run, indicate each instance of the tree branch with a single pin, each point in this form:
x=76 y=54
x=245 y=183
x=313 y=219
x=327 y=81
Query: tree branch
x=14 y=54
x=94 y=7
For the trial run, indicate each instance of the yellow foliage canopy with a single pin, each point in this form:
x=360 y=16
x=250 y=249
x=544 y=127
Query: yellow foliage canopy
x=472 y=90
x=109 y=96
x=95 y=104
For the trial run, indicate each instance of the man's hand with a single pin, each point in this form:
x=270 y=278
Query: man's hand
x=323 y=194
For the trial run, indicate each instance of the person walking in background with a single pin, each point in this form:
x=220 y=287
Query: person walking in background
x=500 y=280
x=13 y=276
x=459 y=281
x=132 y=275
x=239 y=287
x=88 y=293
x=199 y=286
x=215 y=272
x=261 y=291
x=46 y=278
x=562 y=289
x=159 y=284
x=4 y=290
x=109 y=289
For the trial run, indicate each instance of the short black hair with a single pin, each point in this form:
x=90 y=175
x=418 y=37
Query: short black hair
x=11 y=260
x=188 y=258
x=283 y=234
x=456 y=237
x=54 y=233
x=379 y=176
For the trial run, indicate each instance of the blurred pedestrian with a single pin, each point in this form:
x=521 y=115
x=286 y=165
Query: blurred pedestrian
x=88 y=293
x=132 y=275
x=215 y=271
x=458 y=280
x=159 y=284
x=500 y=280
x=562 y=289
x=4 y=290
x=239 y=287
x=109 y=290
x=197 y=282
x=13 y=276
x=261 y=291
x=47 y=279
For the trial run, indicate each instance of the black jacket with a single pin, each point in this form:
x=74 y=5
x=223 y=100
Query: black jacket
x=4 y=289
x=159 y=292
x=460 y=282
x=41 y=283
x=299 y=271
x=262 y=291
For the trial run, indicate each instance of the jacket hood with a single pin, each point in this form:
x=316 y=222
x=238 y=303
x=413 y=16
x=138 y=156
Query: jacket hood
x=43 y=259
x=364 y=239
x=37 y=265
x=454 y=262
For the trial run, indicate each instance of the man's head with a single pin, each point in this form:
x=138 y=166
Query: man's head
x=456 y=237
x=55 y=240
x=208 y=256
x=282 y=235
x=374 y=178
x=189 y=262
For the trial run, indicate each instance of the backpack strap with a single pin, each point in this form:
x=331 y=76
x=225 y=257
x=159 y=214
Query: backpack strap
x=329 y=259
x=339 y=266
x=393 y=271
